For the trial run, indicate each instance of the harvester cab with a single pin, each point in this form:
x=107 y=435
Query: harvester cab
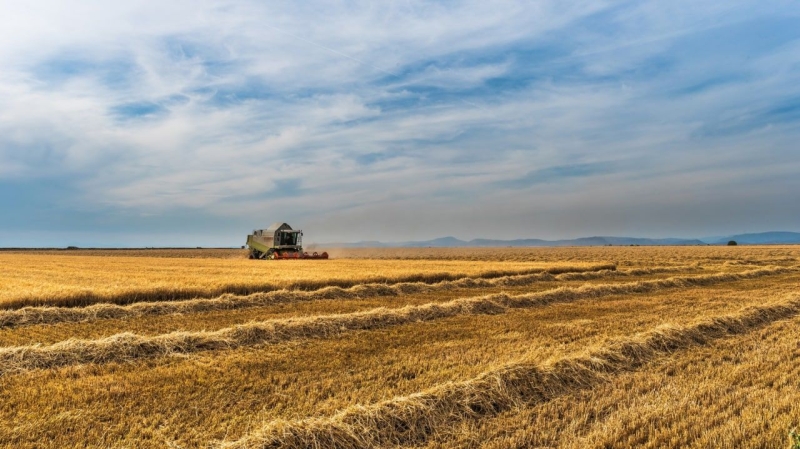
x=279 y=242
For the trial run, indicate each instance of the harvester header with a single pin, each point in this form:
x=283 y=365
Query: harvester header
x=279 y=242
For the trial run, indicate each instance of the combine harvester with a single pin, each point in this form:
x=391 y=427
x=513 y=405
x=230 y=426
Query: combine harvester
x=279 y=242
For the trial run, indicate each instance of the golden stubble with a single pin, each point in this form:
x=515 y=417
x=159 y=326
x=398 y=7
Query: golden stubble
x=337 y=382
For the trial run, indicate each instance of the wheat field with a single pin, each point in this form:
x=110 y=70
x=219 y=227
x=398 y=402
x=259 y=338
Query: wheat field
x=438 y=348
x=49 y=278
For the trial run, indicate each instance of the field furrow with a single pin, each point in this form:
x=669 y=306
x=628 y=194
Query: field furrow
x=218 y=319
x=70 y=281
x=128 y=346
x=412 y=419
x=52 y=315
x=187 y=401
x=733 y=393
x=441 y=348
x=624 y=256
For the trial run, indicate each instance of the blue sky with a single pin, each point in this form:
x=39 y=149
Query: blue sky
x=141 y=123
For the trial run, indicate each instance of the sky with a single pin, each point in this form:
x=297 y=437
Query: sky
x=191 y=123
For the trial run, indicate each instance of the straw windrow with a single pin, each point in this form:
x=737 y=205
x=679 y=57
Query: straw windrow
x=129 y=347
x=51 y=315
x=86 y=298
x=412 y=419
x=589 y=275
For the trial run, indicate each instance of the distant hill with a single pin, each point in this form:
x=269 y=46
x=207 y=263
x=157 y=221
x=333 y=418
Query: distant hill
x=452 y=242
x=760 y=238
x=763 y=238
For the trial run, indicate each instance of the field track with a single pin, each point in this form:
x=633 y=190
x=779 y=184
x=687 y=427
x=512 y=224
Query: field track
x=569 y=347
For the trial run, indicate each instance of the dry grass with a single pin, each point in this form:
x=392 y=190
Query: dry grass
x=53 y=315
x=621 y=255
x=222 y=318
x=167 y=399
x=127 y=346
x=170 y=253
x=412 y=419
x=624 y=255
x=67 y=280
x=733 y=393
x=679 y=340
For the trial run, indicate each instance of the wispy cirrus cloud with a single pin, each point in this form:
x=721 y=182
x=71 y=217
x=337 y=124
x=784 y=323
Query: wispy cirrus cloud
x=163 y=118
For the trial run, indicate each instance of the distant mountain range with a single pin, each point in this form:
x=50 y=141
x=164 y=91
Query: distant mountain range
x=762 y=238
x=452 y=242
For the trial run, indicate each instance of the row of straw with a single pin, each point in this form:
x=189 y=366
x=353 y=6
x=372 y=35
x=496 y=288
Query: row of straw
x=411 y=420
x=129 y=347
x=182 y=292
x=51 y=315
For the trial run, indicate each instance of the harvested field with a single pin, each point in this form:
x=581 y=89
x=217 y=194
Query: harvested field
x=551 y=347
x=69 y=280
x=465 y=286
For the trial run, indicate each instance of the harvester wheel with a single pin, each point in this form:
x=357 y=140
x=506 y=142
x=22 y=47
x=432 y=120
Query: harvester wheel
x=270 y=254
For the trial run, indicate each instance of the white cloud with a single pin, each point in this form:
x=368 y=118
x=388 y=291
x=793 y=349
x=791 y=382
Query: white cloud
x=239 y=106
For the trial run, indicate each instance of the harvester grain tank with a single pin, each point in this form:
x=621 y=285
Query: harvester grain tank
x=279 y=242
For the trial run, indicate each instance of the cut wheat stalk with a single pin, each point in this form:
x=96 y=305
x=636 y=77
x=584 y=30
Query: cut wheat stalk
x=412 y=419
x=51 y=315
x=129 y=347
